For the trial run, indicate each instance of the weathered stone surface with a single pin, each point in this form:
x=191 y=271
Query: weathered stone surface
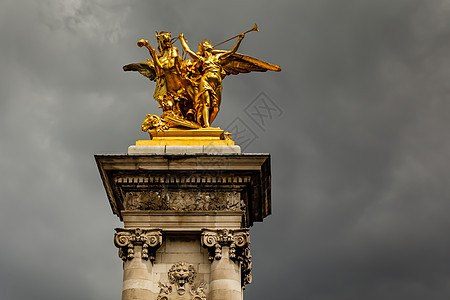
x=225 y=295
x=137 y=294
x=182 y=200
x=138 y=280
x=222 y=149
x=181 y=285
x=184 y=149
x=133 y=149
x=225 y=280
x=182 y=221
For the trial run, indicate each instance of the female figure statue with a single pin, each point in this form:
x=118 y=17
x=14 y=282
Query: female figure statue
x=210 y=62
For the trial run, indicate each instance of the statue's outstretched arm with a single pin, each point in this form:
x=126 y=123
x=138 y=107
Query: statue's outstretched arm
x=227 y=54
x=153 y=54
x=186 y=47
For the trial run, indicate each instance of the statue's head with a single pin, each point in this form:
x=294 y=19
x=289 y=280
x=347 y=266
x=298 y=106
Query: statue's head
x=205 y=46
x=164 y=39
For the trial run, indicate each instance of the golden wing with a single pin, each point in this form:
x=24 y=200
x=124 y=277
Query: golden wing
x=145 y=68
x=240 y=63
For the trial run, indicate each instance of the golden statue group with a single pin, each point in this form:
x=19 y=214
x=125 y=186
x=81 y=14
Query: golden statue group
x=190 y=92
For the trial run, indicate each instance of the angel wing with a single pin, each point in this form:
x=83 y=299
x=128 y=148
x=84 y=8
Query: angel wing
x=240 y=63
x=145 y=68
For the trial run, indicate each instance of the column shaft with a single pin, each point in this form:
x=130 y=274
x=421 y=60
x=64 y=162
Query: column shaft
x=225 y=281
x=137 y=278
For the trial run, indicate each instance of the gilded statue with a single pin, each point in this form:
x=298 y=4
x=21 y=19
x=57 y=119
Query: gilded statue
x=190 y=91
x=209 y=94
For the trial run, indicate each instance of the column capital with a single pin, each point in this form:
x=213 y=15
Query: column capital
x=126 y=239
x=239 y=242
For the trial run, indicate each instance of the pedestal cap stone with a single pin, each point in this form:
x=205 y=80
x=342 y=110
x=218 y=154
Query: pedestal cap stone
x=216 y=182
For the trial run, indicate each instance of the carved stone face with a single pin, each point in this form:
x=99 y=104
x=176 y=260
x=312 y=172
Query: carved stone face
x=181 y=273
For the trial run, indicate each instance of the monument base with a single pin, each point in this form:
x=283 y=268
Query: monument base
x=187 y=137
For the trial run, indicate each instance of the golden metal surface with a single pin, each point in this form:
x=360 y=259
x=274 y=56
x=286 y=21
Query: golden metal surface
x=254 y=28
x=190 y=91
x=187 y=137
x=184 y=142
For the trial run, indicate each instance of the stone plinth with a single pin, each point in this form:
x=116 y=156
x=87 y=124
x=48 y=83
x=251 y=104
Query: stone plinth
x=186 y=218
x=188 y=137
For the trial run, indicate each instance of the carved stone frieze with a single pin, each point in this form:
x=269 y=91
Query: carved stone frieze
x=127 y=239
x=239 y=242
x=145 y=200
x=183 y=200
x=181 y=277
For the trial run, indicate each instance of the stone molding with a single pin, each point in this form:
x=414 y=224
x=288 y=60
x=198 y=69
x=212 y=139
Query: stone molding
x=127 y=239
x=206 y=176
x=239 y=242
x=182 y=221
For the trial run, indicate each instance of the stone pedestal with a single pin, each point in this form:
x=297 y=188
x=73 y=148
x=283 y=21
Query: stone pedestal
x=186 y=217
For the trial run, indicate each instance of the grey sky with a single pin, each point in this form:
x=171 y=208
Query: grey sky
x=360 y=155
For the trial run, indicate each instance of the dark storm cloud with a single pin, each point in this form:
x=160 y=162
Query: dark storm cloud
x=360 y=154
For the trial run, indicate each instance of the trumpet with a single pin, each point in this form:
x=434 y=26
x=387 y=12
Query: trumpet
x=254 y=28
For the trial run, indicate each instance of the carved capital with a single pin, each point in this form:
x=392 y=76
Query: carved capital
x=238 y=240
x=126 y=239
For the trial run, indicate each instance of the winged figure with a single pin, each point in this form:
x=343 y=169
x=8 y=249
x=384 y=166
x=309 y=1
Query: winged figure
x=214 y=65
x=190 y=92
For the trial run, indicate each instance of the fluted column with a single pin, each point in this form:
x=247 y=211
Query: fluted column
x=230 y=262
x=137 y=249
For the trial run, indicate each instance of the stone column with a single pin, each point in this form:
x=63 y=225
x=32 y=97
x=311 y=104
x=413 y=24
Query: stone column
x=225 y=281
x=137 y=249
x=231 y=265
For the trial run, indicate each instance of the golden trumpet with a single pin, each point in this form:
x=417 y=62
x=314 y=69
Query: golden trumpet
x=254 y=28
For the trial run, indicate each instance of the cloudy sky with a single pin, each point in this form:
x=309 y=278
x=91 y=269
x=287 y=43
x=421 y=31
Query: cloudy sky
x=359 y=138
